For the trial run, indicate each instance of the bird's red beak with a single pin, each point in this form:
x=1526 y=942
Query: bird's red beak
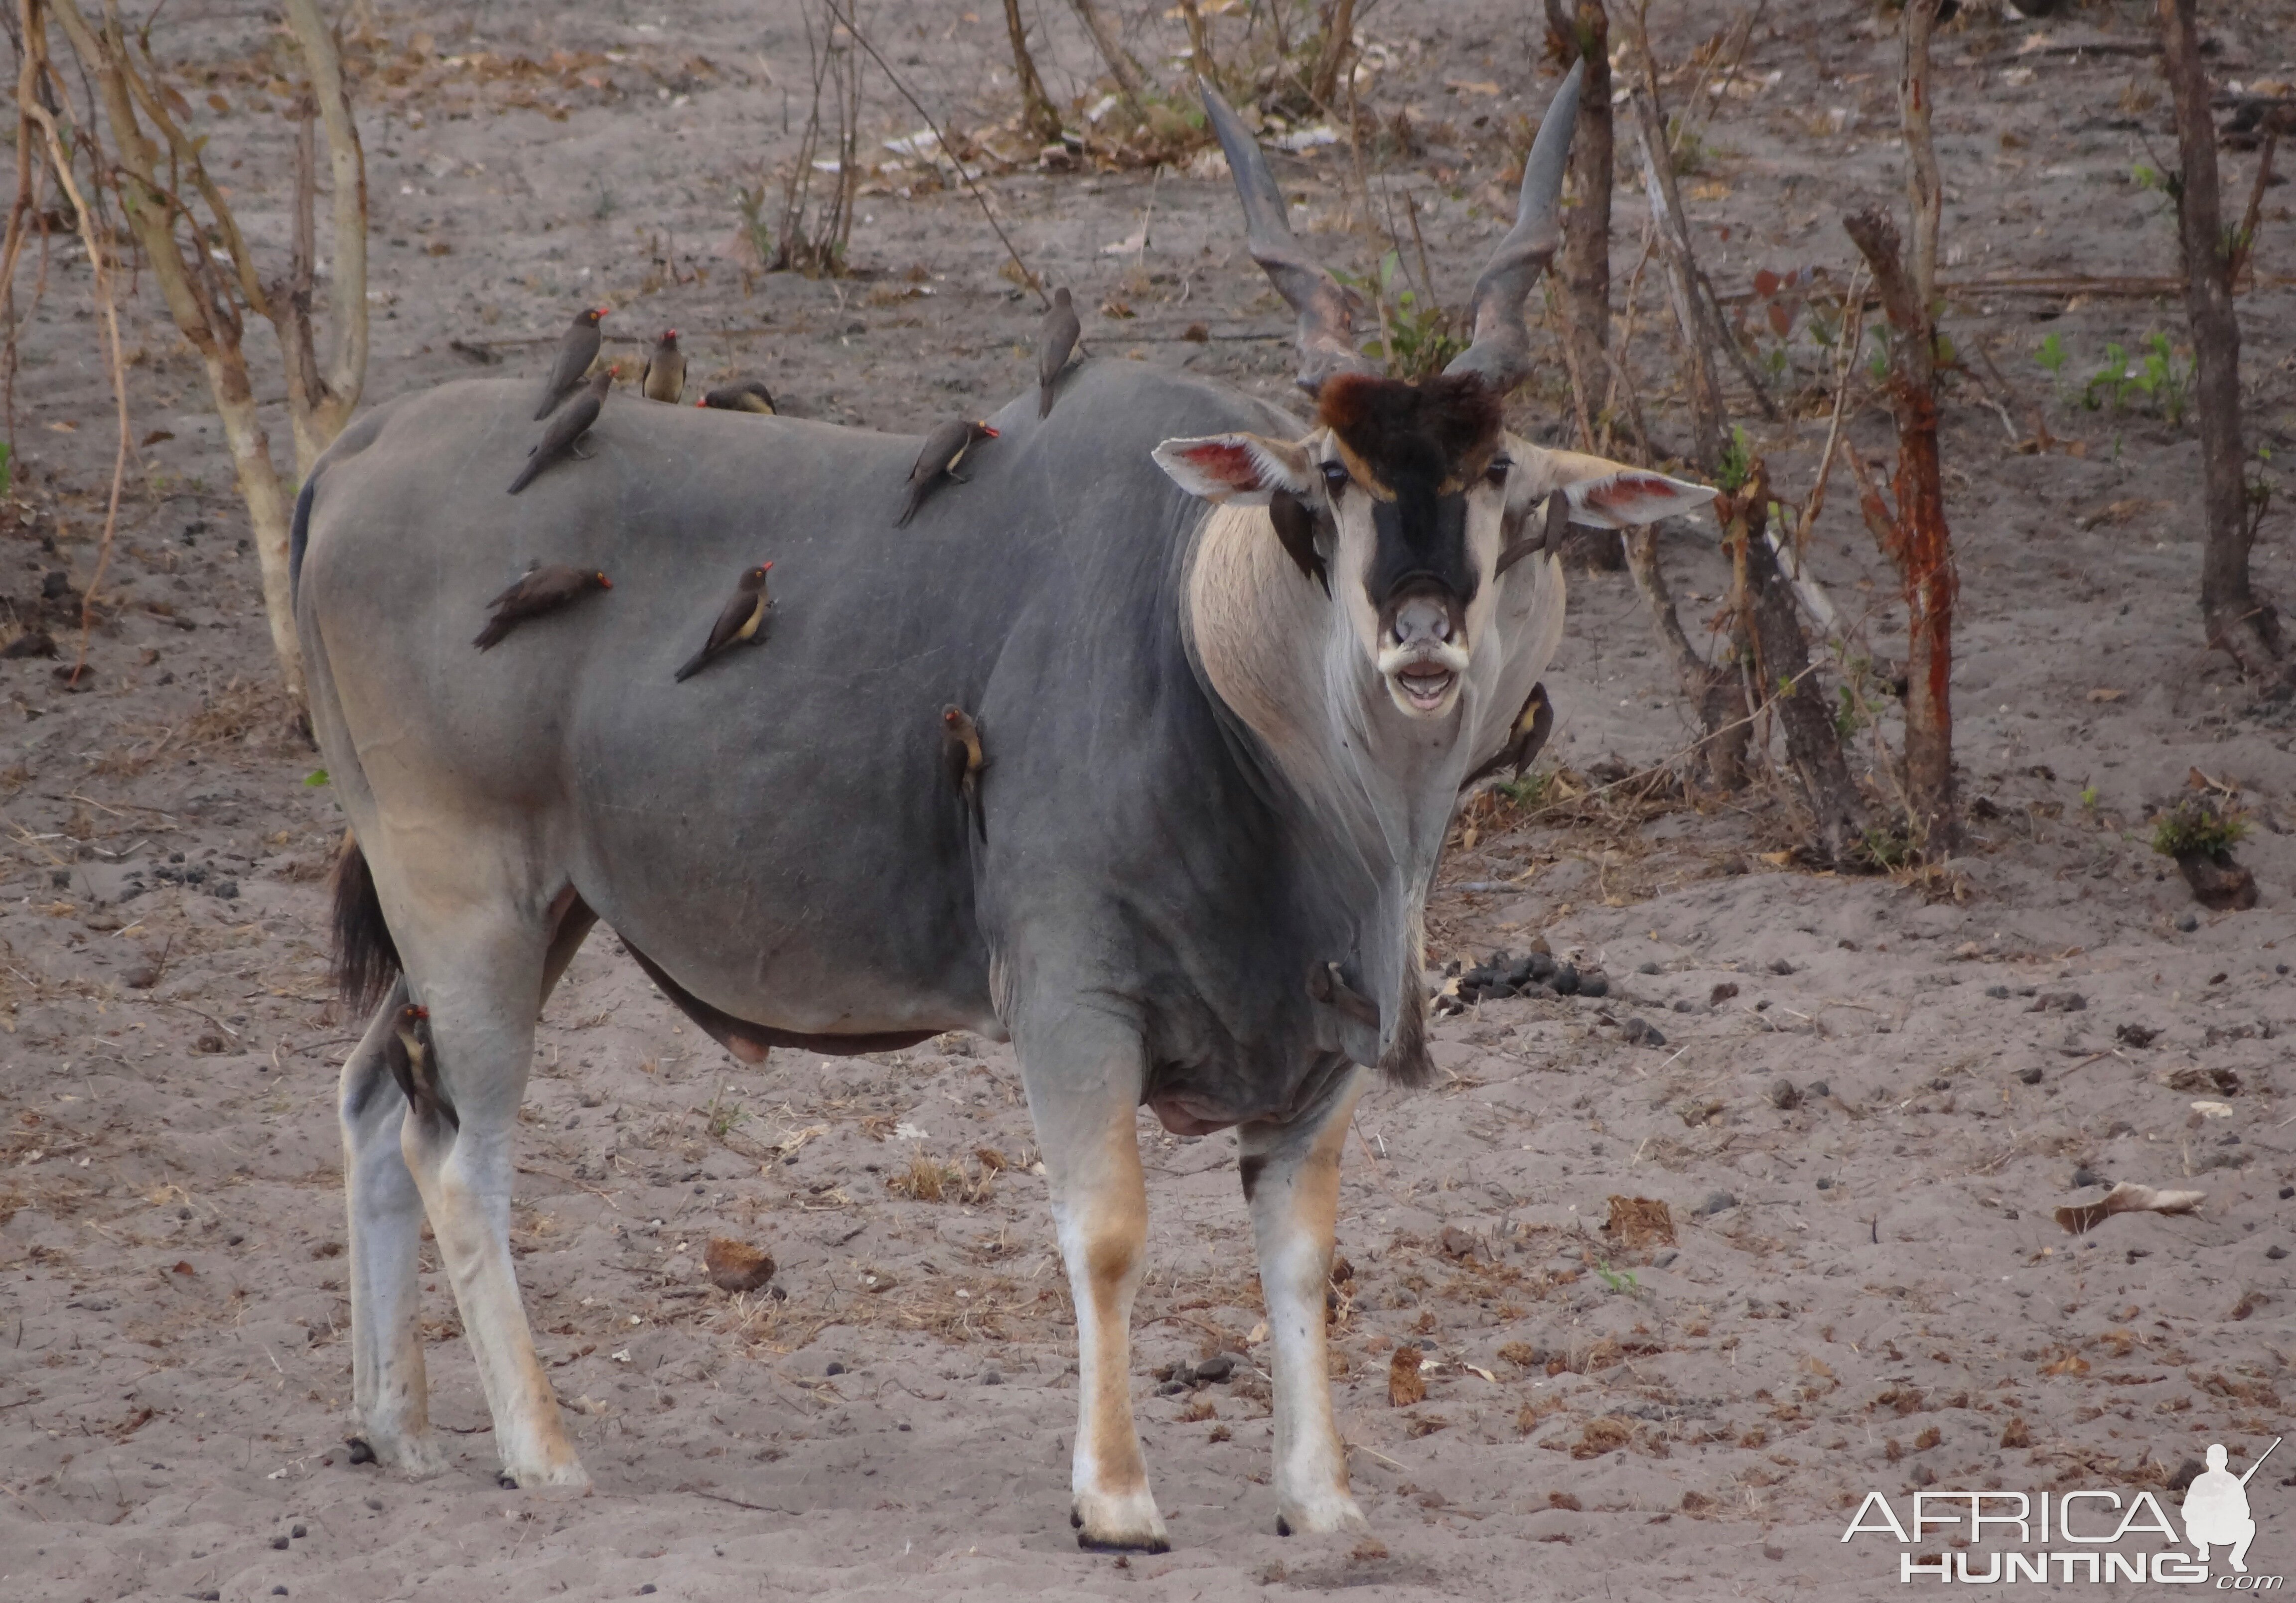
x=767 y=567
x=670 y=334
x=603 y=311
x=605 y=583
x=986 y=430
x=423 y=1012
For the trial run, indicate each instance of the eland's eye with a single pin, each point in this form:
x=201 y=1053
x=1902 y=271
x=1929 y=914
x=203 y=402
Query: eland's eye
x=1335 y=476
x=1496 y=473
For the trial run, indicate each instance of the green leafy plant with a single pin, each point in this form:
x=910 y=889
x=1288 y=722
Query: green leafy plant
x=1529 y=791
x=1848 y=718
x=2158 y=377
x=2089 y=798
x=2196 y=824
x=722 y=1117
x=1417 y=336
x=2052 y=356
x=7 y=468
x=314 y=779
x=1888 y=847
x=2163 y=378
x=1736 y=463
x=1621 y=1281
x=755 y=231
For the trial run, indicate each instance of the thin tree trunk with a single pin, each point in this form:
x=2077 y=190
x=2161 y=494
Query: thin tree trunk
x=1331 y=57
x=1914 y=537
x=198 y=299
x=1037 y=112
x=343 y=375
x=1706 y=409
x=1121 y=67
x=1586 y=262
x=1714 y=691
x=1786 y=680
x=2238 y=620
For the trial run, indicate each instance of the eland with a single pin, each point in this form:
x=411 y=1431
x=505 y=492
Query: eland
x=1233 y=671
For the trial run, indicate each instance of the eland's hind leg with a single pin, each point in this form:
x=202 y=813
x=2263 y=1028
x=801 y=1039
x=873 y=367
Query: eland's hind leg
x=479 y=969
x=1083 y=1074
x=1291 y=1184
x=389 y=1393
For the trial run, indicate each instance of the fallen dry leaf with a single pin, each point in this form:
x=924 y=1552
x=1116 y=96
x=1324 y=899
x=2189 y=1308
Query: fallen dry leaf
x=735 y=1267
x=1640 y=1222
x=2128 y=1198
x=2103 y=694
x=1404 y=1384
x=2071 y=1364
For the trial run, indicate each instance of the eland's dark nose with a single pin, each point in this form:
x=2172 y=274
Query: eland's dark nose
x=1421 y=618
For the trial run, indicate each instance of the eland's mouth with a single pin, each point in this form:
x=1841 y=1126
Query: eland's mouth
x=1425 y=685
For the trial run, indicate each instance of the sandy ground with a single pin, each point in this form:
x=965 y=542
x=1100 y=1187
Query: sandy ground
x=1865 y=1291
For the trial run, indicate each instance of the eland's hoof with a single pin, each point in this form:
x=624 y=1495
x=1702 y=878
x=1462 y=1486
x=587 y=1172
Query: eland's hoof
x=1127 y=1523
x=1320 y=1515
x=417 y=1455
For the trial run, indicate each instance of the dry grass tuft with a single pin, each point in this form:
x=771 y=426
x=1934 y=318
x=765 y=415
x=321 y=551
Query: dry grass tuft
x=242 y=709
x=927 y=1178
x=1597 y=1437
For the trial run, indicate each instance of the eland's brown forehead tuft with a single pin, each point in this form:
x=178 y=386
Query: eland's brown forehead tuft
x=1435 y=432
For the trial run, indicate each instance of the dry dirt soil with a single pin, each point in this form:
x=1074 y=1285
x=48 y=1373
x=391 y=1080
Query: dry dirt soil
x=1864 y=1288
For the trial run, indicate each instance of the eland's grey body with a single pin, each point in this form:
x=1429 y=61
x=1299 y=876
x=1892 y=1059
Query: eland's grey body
x=1220 y=768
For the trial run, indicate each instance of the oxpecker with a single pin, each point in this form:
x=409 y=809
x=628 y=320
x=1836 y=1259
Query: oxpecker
x=945 y=447
x=665 y=371
x=1054 y=344
x=409 y=1054
x=1525 y=737
x=744 y=394
x=576 y=352
x=566 y=430
x=960 y=749
x=740 y=620
x=539 y=594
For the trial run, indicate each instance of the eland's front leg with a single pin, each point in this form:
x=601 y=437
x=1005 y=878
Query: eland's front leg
x=1083 y=1086
x=1291 y=1184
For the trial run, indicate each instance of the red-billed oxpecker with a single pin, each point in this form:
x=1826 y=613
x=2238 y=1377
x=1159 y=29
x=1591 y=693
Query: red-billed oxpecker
x=541 y=593
x=960 y=756
x=1056 y=342
x=738 y=622
x=576 y=352
x=564 y=436
x=944 y=448
x=665 y=371
x=744 y=395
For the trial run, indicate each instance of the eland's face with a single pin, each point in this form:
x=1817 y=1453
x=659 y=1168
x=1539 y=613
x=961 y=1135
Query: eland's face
x=1412 y=491
x=1394 y=505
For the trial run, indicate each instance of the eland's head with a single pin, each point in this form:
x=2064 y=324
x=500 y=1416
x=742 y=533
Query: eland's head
x=1408 y=500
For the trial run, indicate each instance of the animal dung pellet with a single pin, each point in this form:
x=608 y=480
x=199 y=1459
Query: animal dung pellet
x=735 y=1266
x=1405 y=1384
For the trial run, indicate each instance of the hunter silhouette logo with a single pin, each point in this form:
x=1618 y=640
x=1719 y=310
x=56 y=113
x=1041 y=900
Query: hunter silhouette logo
x=2087 y=1533
x=2216 y=1509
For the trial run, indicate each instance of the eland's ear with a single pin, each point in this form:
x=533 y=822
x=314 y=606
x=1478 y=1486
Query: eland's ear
x=1243 y=468
x=1632 y=497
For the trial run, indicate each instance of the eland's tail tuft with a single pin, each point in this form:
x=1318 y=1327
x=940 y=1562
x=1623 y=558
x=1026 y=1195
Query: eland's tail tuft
x=367 y=958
